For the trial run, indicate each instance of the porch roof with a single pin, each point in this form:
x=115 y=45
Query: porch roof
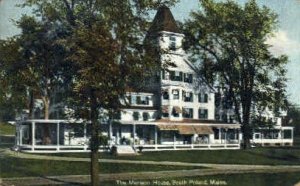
x=203 y=129
x=186 y=122
x=187 y=129
x=167 y=127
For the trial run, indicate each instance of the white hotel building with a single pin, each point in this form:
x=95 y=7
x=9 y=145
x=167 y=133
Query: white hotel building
x=175 y=112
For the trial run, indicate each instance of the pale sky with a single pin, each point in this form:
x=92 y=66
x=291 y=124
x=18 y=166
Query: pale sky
x=286 y=40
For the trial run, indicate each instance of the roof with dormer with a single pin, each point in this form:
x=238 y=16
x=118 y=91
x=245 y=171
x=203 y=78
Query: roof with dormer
x=164 y=21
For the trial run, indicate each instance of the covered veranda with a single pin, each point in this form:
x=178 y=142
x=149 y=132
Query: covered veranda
x=52 y=136
x=165 y=136
x=277 y=136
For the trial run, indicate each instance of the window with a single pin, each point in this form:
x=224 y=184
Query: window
x=203 y=114
x=144 y=100
x=176 y=110
x=175 y=94
x=146 y=116
x=187 y=96
x=165 y=94
x=136 y=116
x=176 y=75
x=133 y=100
x=172 y=44
x=165 y=111
x=187 y=112
x=165 y=115
x=203 y=98
x=188 y=78
x=140 y=100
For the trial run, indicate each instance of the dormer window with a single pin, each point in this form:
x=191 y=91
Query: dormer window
x=176 y=75
x=172 y=44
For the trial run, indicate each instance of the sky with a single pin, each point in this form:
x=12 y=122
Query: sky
x=286 y=38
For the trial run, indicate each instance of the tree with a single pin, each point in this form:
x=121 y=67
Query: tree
x=105 y=44
x=37 y=64
x=12 y=98
x=230 y=40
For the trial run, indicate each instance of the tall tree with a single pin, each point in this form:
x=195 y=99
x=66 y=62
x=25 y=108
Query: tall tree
x=106 y=46
x=12 y=98
x=230 y=40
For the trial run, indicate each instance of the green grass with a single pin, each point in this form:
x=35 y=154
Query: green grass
x=16 y=167
x=264 y=156
x=7 y=129
x=257 y=179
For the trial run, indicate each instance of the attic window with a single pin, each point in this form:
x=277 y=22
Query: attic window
x=172 y=44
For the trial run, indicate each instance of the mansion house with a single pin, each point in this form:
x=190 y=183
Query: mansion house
x=174 y=112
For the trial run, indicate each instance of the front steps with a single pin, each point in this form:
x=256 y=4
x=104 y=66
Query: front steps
x=125 y=150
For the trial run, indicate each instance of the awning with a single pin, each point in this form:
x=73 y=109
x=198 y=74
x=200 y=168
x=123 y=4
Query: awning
x=227 y=126
x=177 y=109
x=167 y=127
x=165 y=109
x=186 y=129
x=203 y=129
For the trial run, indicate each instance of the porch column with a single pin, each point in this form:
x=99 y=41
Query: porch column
x=174 y=141
x=133 y=131
x=85 y=136
x=220 y=134
x=57 y=136
x=32 y=135
x=225 y=136
x=110 y=130
x=155 y=136
x=20 y=134
x=292 y=134
x=238 y=135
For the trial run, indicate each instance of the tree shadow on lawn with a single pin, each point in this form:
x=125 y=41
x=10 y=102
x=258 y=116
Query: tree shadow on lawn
x=281 y=155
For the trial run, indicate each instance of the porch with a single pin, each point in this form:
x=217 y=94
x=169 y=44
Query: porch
x=278 y=136
x=51 y=136
x=158 y=137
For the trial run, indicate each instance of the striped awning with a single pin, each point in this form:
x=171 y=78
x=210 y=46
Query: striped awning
x=186 y=129
x=194 y=129
x=203 y=129
x=167 y=127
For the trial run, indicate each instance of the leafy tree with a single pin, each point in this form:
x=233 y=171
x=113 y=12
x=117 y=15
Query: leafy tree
x=12 y=98
x=105 y=44
x=230 y=40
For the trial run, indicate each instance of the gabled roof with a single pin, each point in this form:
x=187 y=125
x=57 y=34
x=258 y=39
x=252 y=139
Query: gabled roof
x=164 y=21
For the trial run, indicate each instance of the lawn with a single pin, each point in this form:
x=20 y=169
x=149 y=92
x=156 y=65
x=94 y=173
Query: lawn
x=16 y=167
x=264 y=156
x=258 y=179
x=7 y=129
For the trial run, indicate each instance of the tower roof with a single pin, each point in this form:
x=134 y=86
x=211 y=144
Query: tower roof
x=164 y=21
